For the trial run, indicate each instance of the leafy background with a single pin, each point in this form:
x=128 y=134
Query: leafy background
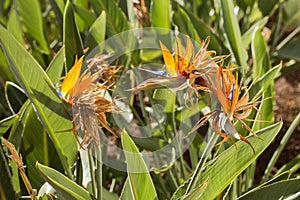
x=39 y=41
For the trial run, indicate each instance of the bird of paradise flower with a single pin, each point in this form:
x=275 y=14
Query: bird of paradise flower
x=185 y=69
x=230 y=107
x=86 y=93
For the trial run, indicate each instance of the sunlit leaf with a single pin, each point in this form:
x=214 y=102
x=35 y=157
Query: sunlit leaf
x=279 y=190
x=137 y=171
x=39 y=89
x=72 y=39
x=65 y=187
x=233 y=34
x=160 y=15
x=31 y=15
x=6 y=123
x=97 y=31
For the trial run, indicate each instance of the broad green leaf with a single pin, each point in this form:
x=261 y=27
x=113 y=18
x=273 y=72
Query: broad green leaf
x=166 y=98
x=6 y=123
x=87 y=16
x=291 y=16
x=233 y=161
x=65 y=187
x=39 y=89
x=266 y=7
x=160 y=15
x=58 y=8
x=14 y=25
x=205 y=31
x=116 y=21
x=37 y=147
x=247 y=36
x=290 y=50
x=126 y=193
x=279 y=190
x=97 y=31
x=140 y=180
x=184 y=24
x=233 y=34
x=72 y=39
x=6 y=185
x=30 y=12
x=56 y=66
x=188 y=112
x=229 y=164
x=261 y=60
x=261 y=65
x=265 y=80
x=5 y=72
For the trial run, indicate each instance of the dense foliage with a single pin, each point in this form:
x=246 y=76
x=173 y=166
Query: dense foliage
x=149 y=99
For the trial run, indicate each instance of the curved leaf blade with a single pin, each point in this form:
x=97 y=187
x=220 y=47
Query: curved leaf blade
x=97 y=32
x=39 y=89
x=31 y=14
x=233 y=34
x=71 y=36
x=67 y=188
x=237 y=159
x=278 y=190
x=137 y=171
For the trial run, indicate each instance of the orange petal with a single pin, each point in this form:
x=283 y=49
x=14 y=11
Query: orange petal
x=168 y=59
x=71 y=77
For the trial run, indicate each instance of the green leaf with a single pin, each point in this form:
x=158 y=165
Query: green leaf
x=204 y=31
x=116 y=20
x=267 y=6
x=37 y=147
x=237 y=158
x=291 y=16
x=126 y=193
x=160 y=15
x=30 y=12
x=279 y=190
x=197 y=192
x=58 y=8
x=261 y=60
x=97 y=31
x=14 y=25
x=185 y=26
x=233 y=34
x=247 y=36
x=56 y=66
x=166 y=98
x=290 y=50
x=65 y=187
x=6 y=123
x=72 y=39
x=140 y=180
x=39 y=89
x=87 y=16
x=264 y=81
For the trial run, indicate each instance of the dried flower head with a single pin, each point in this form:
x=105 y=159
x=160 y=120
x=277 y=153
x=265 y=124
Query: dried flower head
x=230 y=107
x=185 y=69
x=88 y=95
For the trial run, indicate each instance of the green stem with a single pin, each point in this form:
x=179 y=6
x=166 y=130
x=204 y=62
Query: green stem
x=91 y=165
x=99 y=171
x=196 y=176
